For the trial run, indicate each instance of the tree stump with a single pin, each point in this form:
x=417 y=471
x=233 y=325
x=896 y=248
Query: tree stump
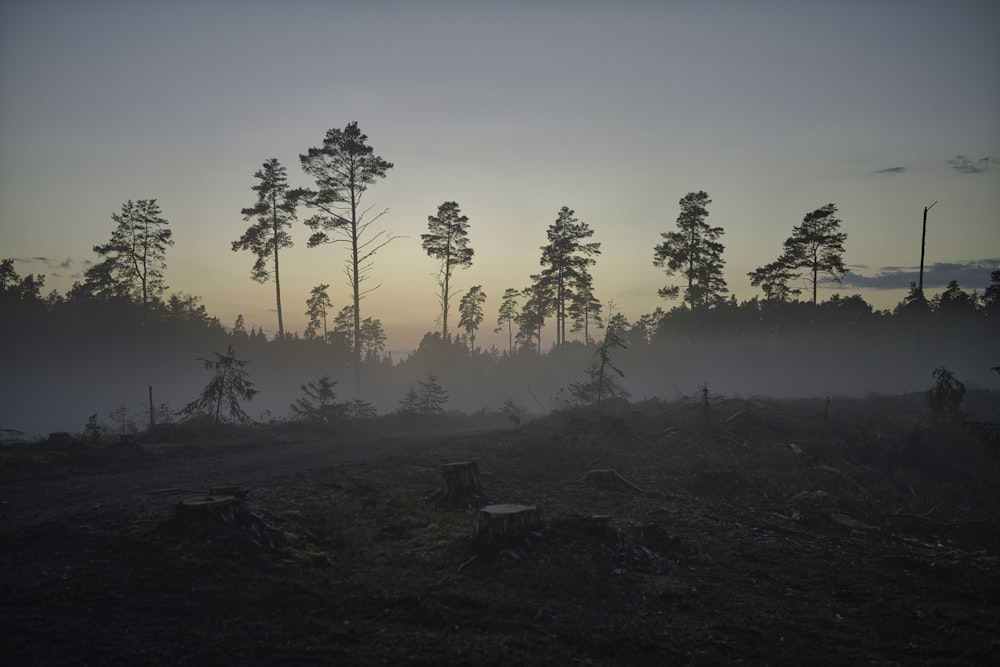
x=507 y=525
x=238 y=492
x=459 y=482
x=223 y=509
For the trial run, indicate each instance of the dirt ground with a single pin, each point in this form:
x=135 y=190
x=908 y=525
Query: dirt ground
x=759 y=532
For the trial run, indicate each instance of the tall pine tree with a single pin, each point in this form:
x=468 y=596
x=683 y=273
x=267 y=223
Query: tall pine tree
x=271 y=217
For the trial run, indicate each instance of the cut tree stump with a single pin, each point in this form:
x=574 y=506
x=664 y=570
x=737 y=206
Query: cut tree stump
x=507 y=525
x=224 y=509
x=227 y=514
x=459 y=483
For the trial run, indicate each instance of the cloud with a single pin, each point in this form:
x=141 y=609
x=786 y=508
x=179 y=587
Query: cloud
x=964 y=165
x=972 y=274
x=66 y=263
x=890 y=170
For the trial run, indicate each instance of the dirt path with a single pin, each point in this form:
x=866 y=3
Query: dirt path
x=37 y=496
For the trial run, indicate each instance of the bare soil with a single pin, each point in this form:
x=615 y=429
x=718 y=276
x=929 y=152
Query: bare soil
x=759 y=533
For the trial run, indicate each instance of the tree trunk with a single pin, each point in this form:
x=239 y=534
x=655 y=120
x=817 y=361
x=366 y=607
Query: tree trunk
x=507 y=525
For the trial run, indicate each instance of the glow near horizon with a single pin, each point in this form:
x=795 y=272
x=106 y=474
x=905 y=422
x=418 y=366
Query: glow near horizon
x=616 y=112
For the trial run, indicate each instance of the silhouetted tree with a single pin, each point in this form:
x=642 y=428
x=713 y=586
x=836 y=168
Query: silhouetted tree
x=816 y=245
x=538 y=305
x=135 y=257
x=565 y=259
x=601 y=383
x=344 y=167
x=991 y=297
x=317 y=306
x=470 y=309
x=447 y=240
x=585 y=308
x=272 y=217
x=954 y=303
x=230 y=385
x=694 y=252
x=319 y=402
x=431 y=396
x=373 y=339
x=410 y=403
x=945 y=399
x=507 y=315
x=14 y=288
x=773 y=280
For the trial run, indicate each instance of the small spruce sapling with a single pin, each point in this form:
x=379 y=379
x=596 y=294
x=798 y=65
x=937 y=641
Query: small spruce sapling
x=224 y=392
x=945 y=399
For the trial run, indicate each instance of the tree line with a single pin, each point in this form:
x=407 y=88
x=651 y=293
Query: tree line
x=129 y=278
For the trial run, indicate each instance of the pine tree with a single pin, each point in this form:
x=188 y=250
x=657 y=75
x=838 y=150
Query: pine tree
x=447 y=240
x=507 y=315
x=816 y=245
x=695 y=253
x=471 y=311
x=319 y=402
x=431 y=396
x=135 y=257
x=317 y=306
x=272 y=217
x=585 y=308
x=230 y=385
x=566 y=259
x=344 y=167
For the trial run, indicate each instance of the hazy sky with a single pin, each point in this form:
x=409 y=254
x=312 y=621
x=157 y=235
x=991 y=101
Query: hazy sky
x=513 y=110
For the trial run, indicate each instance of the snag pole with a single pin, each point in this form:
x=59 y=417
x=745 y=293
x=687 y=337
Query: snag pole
x=923 y=242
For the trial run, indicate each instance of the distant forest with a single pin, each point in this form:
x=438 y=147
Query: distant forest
x=94 y=351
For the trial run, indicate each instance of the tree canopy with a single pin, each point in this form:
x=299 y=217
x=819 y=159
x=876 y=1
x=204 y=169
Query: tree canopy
x=694 y=252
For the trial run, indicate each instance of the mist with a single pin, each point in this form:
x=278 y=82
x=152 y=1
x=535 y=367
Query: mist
x=62 y=365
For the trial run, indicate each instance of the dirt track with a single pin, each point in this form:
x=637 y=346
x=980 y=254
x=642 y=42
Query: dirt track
x=36 y=494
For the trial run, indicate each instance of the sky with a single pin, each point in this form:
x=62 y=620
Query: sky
x=513 y=110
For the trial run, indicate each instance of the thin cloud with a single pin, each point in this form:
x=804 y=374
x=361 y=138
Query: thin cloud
x=965 y=165
x=65 y=264
x=972 y=274
x=890 y=170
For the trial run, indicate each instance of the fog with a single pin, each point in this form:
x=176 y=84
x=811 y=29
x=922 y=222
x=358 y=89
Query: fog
x=56 y=377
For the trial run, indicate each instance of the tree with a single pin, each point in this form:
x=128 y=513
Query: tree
x=373 y=339
x=945 y=399
x=816 y=245
x=601 y=383
x=773 y=280
x=410 y=403
x=991 y=297
x=344 y=167
x=317 y=306
x=470 y=309
x=319 y=402
x=230 y=385
x=695 y=253
x=507 y=315
x=135 y=257
x=431 y=396
x=273 y=215
x=584 y=307
x=447 y=240
x=539 y=304
x=954 y=303
x=566 y=258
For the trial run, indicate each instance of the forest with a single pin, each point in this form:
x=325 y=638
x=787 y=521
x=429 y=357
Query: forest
x=119 y=351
